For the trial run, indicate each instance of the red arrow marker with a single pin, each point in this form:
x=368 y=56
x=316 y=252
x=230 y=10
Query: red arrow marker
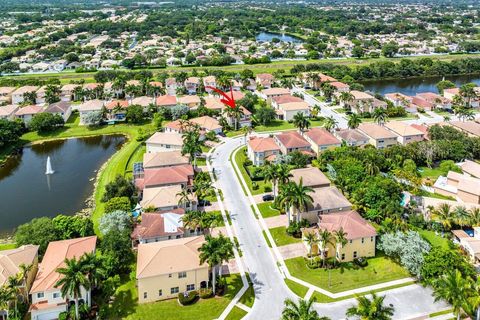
x=227 y=100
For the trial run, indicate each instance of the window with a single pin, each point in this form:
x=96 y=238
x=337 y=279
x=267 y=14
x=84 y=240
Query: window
x=160 y=292
x=40 y=295
x=169 y=275
x=350 y=241
x=371 y=239
x=354 y=254
x=343 y=256
x=144 y=295
x=174 y=290
x=363 y=240
x=190 y=287
x=56 y=295
x=182 y=275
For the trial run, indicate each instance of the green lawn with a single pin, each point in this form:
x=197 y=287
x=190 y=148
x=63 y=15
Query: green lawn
x=240 y=158
x=218 y=213
x=433 y=239
x=248 y=297
x=380 y=269
x=125 y=305
x=432 y=173
x=408 y=117
x=7 y=246
x=281 y=238
x=266 y=239
x=284 y=125
x=297 y=288
x=266 y=209
x=236 y=314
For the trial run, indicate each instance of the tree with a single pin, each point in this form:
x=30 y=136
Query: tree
x=325 y=238
x=380 y=116
x=116 y=249
x=5 y=298
x=72 y=280
x=358 y=51
x=116 y=221
x=301 y=121
x=29 y=97
x=234 y=114
x=301 y=311
x=10 y=131
x=118 y=203
x=192 y=146
x=93 y=118
x=52 y=93
x=39 y=231
x=444 y=215
x=265 y=115
x=390 y=49
x=44 y=122
x=330 y=124
x=311 y=239
x=453 y=288
x=120 y=187
x=215 y=251
x=354 y=121
x=295 y=196
x=13 y=284
x=340 y=241
x=371 y=309
x=184 y=197
x=444 y=84
x=178 y=111
x=69 y=227
x=134 y=114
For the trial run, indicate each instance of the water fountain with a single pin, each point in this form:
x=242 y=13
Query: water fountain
x=49 y=169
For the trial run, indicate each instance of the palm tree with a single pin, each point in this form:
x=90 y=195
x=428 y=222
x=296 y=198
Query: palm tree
x=443 y=215
x=325 y=238
x=13 y=285
x=192 y=144
x=461 y=216
x=25 y=270
x=474 y=217
x=72 y=280
x=78 y=93
x=346 y=98
x=340 y=241
x=311 y=239
x=52 y=93
x=246 y=131
x=371 y=309
x=192 y=220
x=330 y=124
x=214 y=251
x=380 y=116
x=270 y=174
x=354 y=121
x=92 y=267
x=5 y=298
x=184 y=197
x=315 y=110
x=296 y=196
x=453 y=288
x=301 y=311
x=283 y=174
x=301 y=121
x=234 y=114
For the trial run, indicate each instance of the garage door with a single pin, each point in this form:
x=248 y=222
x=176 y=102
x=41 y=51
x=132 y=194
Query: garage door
x=48 y=316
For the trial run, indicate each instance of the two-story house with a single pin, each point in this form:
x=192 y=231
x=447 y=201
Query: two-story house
x=260 y=150
x=379 y=136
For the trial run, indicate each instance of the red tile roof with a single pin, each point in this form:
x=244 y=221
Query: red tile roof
x=292 y=139
x=351 y=222
x=156 y=177
x=321 y=136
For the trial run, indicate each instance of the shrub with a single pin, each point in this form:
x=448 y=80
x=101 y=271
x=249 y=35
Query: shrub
x=187 y=298
x=118 y=203
x=361 y=262
x=247 y=163
x=44 y=122
x=267 y=188
x=254 y=185
x=206 y=293
x=294 y=229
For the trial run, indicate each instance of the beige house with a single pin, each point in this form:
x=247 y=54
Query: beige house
x=352 y=137
x=471 y=128
x=320 y=139
x=378 y=136
x=291 y=141
x=311 y=177
x=27 y=113
x=89 y=107
x=286 y=111
x=166 y=198
x=325 y=200
x=470 y=244
x=462 y=187
x=270 y=93
x=260 y=150
x=405 y=132
x=6 y=94
x=361 y=236
x=11 y=260
x=8 y=112
x=164 y=159
x=164 y=141
x=167 y=268
x=18 y=95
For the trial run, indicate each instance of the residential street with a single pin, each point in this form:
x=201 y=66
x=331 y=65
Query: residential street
x=270 y=289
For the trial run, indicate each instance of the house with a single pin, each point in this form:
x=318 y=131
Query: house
x=18 y=96
x=245 y=119
x=436 y=100
x=143 y=101
x=117 y=109
x=167 y=268
x=160 y=226
x=166 y=101
x=352 y=137
x=378 y=135
x=47 y=300
x=171 y=86
x=164 y=159
x=164 y=141
x=214 y=103
x=360 y=102
x=67 y=92
x=451 y=93
x=61 y=108
x=460 y=186
x=277 y=101
x=41 y=95
x=11 y=260
x=311 y=177
x=291 y=141
x=192 y=101
x=320 y=139
x=471 y=128
x=471 y=167
x=287 y=111
x=260 y=150
x=405 y=133
x=340 y=86
x=422 y=128
x=88 y=107
x=209 y=81
x=470 y=243
x=166 y=176
x=27 y=113
x=360 y=236
x=208 y=124
x=8 y=112
x=265 y=80
x=166 y=198
x=274 y=92
x=192 y=84
x=6 y=94
x=325 y=200
x=314 y=79
x=399 y=99
x=420 y=103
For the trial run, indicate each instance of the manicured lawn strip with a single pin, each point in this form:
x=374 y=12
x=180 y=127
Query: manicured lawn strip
x=408 y=117
x=434 y=240
x=240 y=158
x=266 y=209
x=297 y=288
x=320 y=297
x=380 y=269
x=125 y=304
x=281 y=238
x=236 y=314
x=284 y=125
x=236 y=172
x=440 y=313
x=248 y=297
x=436 y=195
x=7 y=246
x=253 y=211
x=266 y=239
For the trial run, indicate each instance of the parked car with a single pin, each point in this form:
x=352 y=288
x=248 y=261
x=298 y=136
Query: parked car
x=268 y=197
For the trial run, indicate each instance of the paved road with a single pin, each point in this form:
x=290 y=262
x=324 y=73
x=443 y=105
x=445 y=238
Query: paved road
x=270 y=289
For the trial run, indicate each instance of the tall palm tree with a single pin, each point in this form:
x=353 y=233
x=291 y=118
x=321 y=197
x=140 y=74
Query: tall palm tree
x=234 y=114
x=330 y=124
x=301 y=311
x=92 y=267
x=270 y=174
x=461 y=216
x=14 y=284
x=311 y=239
x=72 y=280
x=315 y=111
x=354 y=121
x=52 y=93
x=380 y=116
x=283 y=174
x=453 y=288
x=474 y=217
x=325 y=238
x=192 y=144
x=25 y=270
x=246 y=131
x=301 y=121
x=371 y=309
x=296 y=197
x=443 y=214
x=192 y=220
x=5 y=297
x=340 y=241
x=214 y=251
x=184 y=197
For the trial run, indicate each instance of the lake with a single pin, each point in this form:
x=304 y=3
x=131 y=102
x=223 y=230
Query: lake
x=413 y=86
x=268 y=36
x=27 y=193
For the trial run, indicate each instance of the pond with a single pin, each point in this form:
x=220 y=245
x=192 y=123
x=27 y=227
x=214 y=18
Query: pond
x=268 y=36
x=413 y=86
x=26 y=192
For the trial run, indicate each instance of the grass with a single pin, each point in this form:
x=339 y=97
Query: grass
x=379 y=270
x=284 y=125
x=218 y=213
x=281 y=238
x=240 y=158
x=440 y=313
x=253 y=211
x=7 y=246
x=266 y=209
x=431 y=173
x=296 y=288
x=434 y=240
x=236 y=314
x=125 y=304
x=248 y=297
x=266 y=239
x=408 y=117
